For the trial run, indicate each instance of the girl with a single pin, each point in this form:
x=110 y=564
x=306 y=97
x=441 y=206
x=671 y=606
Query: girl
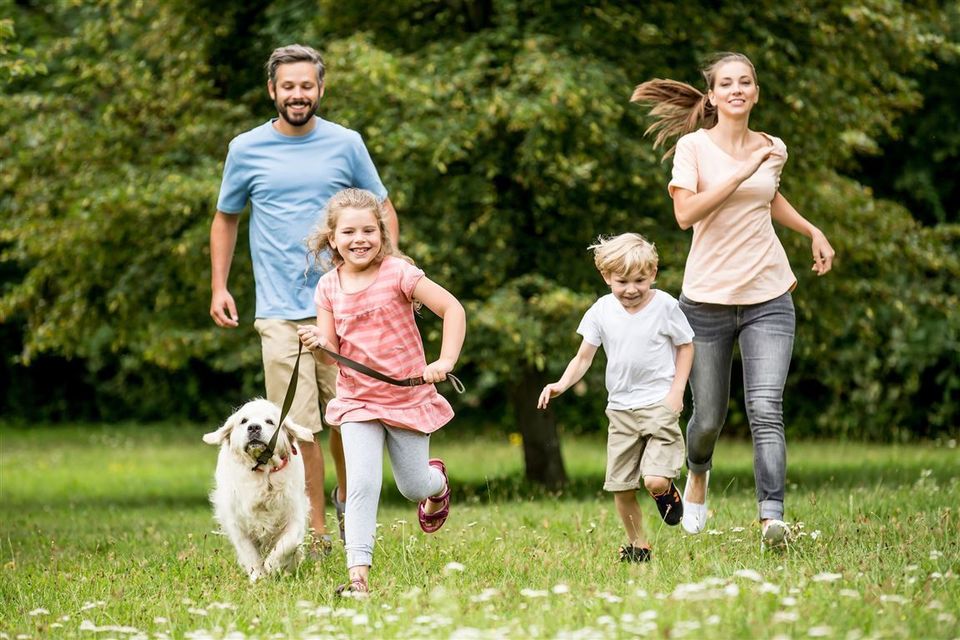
x=365 y=310
x=737 y=282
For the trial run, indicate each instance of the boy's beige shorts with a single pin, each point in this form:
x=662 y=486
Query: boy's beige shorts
x=317 y=383
x=642 y=442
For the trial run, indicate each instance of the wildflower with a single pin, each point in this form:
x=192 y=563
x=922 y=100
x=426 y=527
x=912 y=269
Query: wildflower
x=749 y=574
x=786 y=616
x=827 y=577
x=819 y=632
x=453 y=566
x=532 y=593
x=40 y=611
x=560 y=589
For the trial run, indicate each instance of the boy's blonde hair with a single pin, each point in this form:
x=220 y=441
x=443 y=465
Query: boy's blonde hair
x=625 y=254
x=318 y=242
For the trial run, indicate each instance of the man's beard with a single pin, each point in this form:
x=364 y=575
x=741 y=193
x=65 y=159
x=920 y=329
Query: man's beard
x=297 y=121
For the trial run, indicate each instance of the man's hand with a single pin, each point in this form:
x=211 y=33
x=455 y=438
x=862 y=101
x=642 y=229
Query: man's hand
x=223 y=309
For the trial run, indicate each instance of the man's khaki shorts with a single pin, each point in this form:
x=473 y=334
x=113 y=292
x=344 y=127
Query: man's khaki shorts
x=317 y=383
x=642 y=442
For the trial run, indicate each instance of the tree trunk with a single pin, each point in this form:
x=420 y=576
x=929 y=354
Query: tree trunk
x=541 y=442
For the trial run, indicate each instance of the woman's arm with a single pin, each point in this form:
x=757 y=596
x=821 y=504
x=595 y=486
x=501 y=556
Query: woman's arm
x=690 y=207
x=445 y=305
x=783 y=213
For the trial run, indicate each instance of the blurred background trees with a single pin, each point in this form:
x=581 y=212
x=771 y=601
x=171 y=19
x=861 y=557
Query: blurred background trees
x=504 y=133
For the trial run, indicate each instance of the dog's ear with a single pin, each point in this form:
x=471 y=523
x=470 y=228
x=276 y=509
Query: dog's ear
x=221 y=434
x=295 y=430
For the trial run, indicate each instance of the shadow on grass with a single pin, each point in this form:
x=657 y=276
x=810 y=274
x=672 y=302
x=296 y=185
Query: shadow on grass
x=808 y=477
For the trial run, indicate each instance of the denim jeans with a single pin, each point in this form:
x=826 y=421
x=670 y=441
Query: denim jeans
x=765 y=333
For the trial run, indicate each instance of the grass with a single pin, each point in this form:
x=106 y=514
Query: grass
x=106 y=532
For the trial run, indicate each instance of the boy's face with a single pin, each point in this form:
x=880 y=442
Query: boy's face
x=632 y=290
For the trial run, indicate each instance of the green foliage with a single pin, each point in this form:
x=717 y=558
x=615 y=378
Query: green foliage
x=107 y=191
x=16 y=61
x=504 y=133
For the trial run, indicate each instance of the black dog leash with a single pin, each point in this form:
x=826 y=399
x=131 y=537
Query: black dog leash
x=373 y=373
x=267 y=453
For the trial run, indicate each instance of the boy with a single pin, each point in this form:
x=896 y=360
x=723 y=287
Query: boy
x=649 y=347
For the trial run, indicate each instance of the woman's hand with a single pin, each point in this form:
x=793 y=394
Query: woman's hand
x=823 y=253
x=437 y=371
x=311 y=337
x=757 y=158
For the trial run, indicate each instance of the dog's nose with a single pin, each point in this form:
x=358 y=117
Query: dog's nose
x=253 y=429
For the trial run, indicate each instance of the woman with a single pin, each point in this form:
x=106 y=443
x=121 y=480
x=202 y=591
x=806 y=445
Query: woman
x=737 y=282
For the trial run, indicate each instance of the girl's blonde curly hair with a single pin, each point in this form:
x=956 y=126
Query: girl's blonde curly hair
x=323 y=254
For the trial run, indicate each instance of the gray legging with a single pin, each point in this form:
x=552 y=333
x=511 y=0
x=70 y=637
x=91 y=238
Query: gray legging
x=363 y=450
x=765 y=332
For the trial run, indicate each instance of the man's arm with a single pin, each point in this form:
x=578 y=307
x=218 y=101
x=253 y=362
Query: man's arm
x=393 y=223
x=223 y=241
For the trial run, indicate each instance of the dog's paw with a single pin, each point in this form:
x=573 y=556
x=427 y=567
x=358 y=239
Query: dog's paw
x=255 y=573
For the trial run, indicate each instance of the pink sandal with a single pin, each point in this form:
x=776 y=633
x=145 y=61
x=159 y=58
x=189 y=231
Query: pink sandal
x=431 y=522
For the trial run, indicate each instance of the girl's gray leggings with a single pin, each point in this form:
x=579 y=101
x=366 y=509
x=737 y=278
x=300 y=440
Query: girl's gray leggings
x=363 y=450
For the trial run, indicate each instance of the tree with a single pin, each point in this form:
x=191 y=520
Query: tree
x=504 y=132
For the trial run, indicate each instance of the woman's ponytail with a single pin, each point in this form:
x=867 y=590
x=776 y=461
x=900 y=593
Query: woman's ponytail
x=677 y=109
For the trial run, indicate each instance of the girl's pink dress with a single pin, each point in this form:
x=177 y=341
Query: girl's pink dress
x=376 y=327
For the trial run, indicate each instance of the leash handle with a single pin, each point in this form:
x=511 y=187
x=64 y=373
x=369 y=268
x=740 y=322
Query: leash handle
x=267 y=453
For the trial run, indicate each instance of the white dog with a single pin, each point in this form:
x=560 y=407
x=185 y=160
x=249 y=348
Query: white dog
x=264 y=511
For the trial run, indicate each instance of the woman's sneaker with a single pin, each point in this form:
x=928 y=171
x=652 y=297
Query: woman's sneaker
x=694 y=515
x=775 y=534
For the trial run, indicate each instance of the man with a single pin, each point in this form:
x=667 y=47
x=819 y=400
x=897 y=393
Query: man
x=288 y=168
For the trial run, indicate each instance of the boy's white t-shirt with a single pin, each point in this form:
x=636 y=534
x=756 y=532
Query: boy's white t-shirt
x=640 y=347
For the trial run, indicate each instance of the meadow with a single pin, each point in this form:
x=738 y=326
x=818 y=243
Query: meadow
x=106 y=532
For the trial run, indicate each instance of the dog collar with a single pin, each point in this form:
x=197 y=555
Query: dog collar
x=279 y=467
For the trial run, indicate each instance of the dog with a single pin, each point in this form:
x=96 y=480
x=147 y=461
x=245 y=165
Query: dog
x=262 y=510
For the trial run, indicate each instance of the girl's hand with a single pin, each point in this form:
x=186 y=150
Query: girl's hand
x=437 y=371
x=552 y=390
x=311 y=337
x=822 y=253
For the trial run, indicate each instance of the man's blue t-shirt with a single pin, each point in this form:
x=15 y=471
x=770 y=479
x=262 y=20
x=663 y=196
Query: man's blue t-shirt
x=288 y=180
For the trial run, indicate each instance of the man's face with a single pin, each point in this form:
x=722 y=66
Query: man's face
x=296 y=92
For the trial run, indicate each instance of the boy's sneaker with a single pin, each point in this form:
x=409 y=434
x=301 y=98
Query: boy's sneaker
x=630 y=553
x=775 y=534
x=340 y=507
x=670 y=505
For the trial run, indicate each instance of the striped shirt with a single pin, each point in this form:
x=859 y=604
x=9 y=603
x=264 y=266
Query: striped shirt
x=376 y=326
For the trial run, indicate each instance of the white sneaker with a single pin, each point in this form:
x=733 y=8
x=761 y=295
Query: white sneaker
x=775 y=534
x=694 y=515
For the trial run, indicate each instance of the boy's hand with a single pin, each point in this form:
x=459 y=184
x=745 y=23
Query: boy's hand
x=437 y=371
x=552 y=390
x=674 y=401
x=311 y=337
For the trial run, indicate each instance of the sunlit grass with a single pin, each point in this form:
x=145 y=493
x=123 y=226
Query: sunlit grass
x=106 y=532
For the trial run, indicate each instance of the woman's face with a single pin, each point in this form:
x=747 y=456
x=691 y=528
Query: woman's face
x=734 y=90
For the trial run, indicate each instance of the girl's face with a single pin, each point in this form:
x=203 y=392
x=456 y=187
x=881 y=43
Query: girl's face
x=734 y=90
x=357 y=238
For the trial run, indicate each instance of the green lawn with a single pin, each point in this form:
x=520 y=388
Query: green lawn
x=106 y=532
